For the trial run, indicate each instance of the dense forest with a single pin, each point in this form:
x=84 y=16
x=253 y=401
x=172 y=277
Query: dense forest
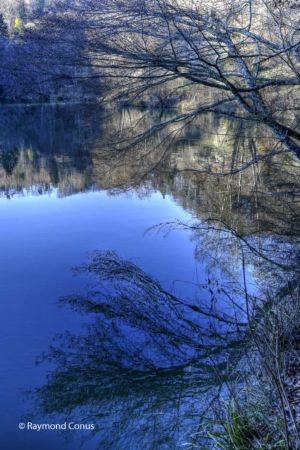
x=34 y=66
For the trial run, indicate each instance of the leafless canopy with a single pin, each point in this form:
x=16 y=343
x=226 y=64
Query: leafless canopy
x=243 y=56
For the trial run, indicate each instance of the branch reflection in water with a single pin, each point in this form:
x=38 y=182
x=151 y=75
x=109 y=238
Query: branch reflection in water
x=139 y=364
x=150 y=365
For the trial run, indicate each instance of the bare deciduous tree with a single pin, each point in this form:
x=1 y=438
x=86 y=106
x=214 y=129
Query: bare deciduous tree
x=243 y=55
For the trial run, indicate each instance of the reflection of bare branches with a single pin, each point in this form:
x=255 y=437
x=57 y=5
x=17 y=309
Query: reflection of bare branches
x=178 y=160
x=147 y=359
x=217 y=228
x=149 y=363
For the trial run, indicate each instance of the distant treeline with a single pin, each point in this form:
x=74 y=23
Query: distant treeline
x=39 y=60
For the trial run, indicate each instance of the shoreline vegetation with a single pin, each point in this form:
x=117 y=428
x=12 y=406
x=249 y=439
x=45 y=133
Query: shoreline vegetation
x=146 y=85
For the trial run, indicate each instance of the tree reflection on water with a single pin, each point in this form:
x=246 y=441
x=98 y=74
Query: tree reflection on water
x=149 y=366
x=146 y=366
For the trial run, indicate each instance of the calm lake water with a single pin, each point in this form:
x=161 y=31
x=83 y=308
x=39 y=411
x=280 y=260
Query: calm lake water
x=65 y=192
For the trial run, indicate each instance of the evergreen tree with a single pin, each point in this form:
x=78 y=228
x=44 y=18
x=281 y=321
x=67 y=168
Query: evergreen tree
x=3 y=27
